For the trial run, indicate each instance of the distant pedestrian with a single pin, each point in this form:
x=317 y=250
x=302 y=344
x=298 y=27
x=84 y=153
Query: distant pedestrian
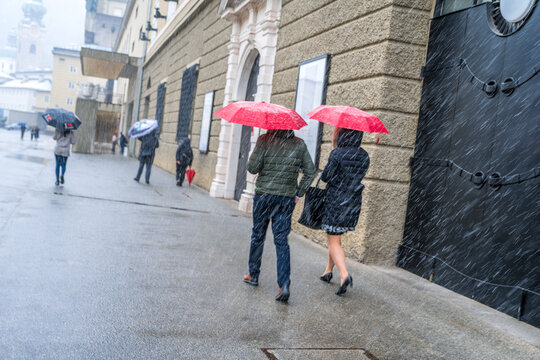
x=184 y=158
x=37 y=133
x=278 y=158
x=61 y=152
x=149 y=144
x=346 y=167
x=32 y=133
x=123 y=143
x=23 y=129
x=114 y=142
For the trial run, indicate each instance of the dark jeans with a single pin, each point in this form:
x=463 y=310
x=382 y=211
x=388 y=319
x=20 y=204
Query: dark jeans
x=145 y=160
x=279 y=209
x=61 y=162
x=180 y=173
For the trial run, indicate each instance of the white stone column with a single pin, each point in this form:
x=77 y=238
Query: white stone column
x=267 y=38
x=217 y=189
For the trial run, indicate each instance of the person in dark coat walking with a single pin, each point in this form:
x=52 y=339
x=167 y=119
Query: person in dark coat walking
x=346 y=167
x=23 y=129
x=149 y=144
x=277 y=158
x=184 y=158
x=123 y=143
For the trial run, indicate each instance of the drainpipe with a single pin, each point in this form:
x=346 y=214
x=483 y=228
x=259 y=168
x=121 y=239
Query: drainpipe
x=139 y=93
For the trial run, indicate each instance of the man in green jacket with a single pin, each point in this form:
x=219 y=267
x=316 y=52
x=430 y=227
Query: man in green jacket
x=277 y=158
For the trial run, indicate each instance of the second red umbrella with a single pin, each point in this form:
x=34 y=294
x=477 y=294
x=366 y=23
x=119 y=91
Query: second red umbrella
x=348 y=117
x=262 y=115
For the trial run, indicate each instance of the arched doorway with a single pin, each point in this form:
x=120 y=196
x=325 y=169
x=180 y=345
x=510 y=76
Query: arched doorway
x=245 y=139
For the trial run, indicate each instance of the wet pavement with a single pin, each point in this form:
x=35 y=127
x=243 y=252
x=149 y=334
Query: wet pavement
x=106 y=268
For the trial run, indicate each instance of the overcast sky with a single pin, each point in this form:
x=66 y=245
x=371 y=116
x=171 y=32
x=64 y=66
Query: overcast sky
x=64 y=22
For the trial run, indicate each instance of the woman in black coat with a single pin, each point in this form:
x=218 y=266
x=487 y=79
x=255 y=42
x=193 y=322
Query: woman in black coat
x=346 y=167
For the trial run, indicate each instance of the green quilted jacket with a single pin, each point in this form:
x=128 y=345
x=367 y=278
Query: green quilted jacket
x=277 y=158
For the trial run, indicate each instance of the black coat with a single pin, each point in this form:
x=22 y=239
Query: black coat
x=184 y=154
x=346 y=167
x=149 y=143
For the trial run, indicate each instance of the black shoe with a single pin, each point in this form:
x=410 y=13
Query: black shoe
x=147 y=182
x=253 y=281
x=343 y=289
x=56 y=183
x=137 y=180
x=284 y=292
x=62 y=179
x=178 y=183
x=327 y=277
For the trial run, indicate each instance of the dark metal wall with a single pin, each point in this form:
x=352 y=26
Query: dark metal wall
x=474 y=204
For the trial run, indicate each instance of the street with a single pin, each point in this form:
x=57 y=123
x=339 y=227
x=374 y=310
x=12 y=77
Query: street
x=107 y=268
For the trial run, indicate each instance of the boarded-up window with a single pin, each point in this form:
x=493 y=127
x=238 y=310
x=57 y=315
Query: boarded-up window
x=187 y=96
x=160 y=104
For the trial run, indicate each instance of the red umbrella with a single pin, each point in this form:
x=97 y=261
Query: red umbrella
x=348 y=117
x=262 y=115
x=190 y=174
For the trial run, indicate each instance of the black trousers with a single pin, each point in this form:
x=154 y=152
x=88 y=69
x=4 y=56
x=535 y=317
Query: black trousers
x=145 y=160
x=180 y=173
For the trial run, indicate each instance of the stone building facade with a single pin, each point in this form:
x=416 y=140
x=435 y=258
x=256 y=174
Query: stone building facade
x=377 y=51
x=197 y=38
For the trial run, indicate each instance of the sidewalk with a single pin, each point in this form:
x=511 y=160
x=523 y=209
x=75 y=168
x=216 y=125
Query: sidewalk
x=154 y=272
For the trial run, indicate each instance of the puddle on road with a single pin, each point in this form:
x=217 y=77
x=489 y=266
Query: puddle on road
x=318 y=354
x=29 y=158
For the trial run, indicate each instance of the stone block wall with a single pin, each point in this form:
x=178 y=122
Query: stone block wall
x=202 y=39
x=378 y=48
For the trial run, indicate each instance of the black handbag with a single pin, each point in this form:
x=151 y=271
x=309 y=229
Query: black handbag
x=313 y=207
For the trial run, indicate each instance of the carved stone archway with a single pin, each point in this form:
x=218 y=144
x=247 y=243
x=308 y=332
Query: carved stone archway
x=255 y=25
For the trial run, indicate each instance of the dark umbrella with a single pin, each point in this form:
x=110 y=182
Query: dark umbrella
x=61 y=119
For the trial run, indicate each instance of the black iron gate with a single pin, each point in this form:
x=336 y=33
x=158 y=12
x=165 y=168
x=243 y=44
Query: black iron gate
x=473 y=218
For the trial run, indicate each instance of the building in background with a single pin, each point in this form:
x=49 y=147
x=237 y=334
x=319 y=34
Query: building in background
x=8 y=57
x=103 y=20
x=31 y=36
x=30 y=95
x=67 y=78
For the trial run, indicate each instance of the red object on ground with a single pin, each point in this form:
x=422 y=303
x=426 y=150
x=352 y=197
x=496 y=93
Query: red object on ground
x=348 y=117
x=262 y=115
x=190 y=174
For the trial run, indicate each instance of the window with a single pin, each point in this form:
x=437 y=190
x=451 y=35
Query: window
x=117 y=12
x=72 y=68
x=113 y=29
x=46 y=98
x=71 y=85
x=32 y=49
x=136 y=11
x=187 y=96
x=62 y=59
x=160 y=104
x=450 y=6
x=146 y=107
x=69 y=101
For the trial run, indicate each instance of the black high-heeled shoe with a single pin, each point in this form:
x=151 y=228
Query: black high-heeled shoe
x=343 y=289
x=327 y=277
